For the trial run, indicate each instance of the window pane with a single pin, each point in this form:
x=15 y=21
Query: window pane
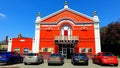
x=17 y=50
x=25 y=50
x=45 y=50
x=89 y=49
x=83 y=49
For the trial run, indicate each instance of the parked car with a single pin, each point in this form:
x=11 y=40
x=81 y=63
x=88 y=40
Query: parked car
x=33 y=58
x=10 y=57
x=105 y=58
x=55 y=59
x=79 y=58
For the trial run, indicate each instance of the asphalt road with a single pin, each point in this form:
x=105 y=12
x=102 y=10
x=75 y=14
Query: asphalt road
x=67 y=64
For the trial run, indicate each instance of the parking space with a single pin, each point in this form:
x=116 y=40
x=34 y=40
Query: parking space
x=67 y=64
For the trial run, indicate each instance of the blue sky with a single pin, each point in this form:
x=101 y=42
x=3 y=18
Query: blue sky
x=18 y=16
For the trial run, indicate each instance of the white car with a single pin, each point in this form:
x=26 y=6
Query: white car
x=33 y=58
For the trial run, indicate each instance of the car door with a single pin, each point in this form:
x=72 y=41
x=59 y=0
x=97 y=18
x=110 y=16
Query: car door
x=96 y=59
x=15 y=57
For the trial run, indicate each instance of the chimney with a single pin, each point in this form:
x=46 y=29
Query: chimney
x=19 y=36
x=6 y=39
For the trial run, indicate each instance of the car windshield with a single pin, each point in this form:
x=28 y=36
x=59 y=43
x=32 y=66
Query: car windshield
x=80 y=54
x=107 y=54
x=31 y=54
x=4 y=52
x=55 y=55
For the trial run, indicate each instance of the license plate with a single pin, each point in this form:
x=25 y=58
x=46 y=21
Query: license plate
x=81 y=61
x=53 y=58
x=30 y=57
x=110 y=59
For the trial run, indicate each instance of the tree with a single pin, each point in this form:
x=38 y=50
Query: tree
x=0 y=47
x=110 y=37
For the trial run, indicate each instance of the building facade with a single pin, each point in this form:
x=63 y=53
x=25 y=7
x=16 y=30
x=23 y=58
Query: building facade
x=65 y=31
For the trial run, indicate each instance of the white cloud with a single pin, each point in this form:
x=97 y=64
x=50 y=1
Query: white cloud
x=2 y=15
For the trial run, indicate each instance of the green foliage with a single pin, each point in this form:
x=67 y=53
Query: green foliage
x=110 y=38
x=0 y=47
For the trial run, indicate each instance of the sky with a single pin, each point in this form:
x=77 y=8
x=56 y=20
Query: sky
x=18 y=16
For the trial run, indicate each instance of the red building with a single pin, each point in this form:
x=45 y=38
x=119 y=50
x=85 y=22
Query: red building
x=20 y=44
x=65 y=31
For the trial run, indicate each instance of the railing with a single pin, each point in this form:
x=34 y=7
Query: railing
x=66 y=38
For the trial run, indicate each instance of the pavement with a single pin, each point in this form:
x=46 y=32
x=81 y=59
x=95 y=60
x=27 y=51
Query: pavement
x=67 y=64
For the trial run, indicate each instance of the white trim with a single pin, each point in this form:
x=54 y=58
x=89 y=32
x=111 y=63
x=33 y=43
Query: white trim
x=9 y=45
x=65 y=21
x=97 y=37
x=66 y=28
x=84 y=24
x=86 y=16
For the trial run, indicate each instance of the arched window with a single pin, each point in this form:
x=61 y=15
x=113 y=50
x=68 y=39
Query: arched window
x=66 y=30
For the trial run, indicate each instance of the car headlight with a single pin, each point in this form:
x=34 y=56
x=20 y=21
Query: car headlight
x=76 y=58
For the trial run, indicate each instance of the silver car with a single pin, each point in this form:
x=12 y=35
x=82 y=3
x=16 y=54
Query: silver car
x=33 y=58
x=55 y=59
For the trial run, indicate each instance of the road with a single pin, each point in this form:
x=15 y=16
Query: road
x=67 y=64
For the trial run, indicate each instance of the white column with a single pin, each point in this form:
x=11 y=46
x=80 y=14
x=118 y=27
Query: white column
x=97 y=33
x=62 y=33
x=97 y=37
x=36 y=42
x=9 y=45
x=37 y=38
x=33 y=44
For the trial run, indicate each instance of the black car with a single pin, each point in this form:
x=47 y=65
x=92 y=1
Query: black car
x=79 y=58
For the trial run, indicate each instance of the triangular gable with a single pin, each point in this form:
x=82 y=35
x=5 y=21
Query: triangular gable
x=68 y=13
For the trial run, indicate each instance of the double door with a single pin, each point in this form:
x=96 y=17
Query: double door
x=66 y=52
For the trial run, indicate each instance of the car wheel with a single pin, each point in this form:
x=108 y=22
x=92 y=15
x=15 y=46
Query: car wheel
x=21 y=60
x=115 y=64
x=101 y=63
x=63 y=63
x=73 y=63
x=38 y=63
x=25 y=63
x=86 y=64
x=9 y=62
x=93 y=62
x=42 y=61
x=48 y=64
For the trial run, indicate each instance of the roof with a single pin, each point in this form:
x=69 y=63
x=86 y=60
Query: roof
x=69 y=10
x=4 y=42
x=24 y=38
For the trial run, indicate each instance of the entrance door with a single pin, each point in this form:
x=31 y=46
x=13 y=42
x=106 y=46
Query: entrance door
x=64 y=52
x=71 y=52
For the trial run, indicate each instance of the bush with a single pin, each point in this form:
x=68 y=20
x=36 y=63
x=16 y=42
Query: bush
x=118 y=56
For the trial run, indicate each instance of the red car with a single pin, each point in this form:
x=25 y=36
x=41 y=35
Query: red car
x=105 y=58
